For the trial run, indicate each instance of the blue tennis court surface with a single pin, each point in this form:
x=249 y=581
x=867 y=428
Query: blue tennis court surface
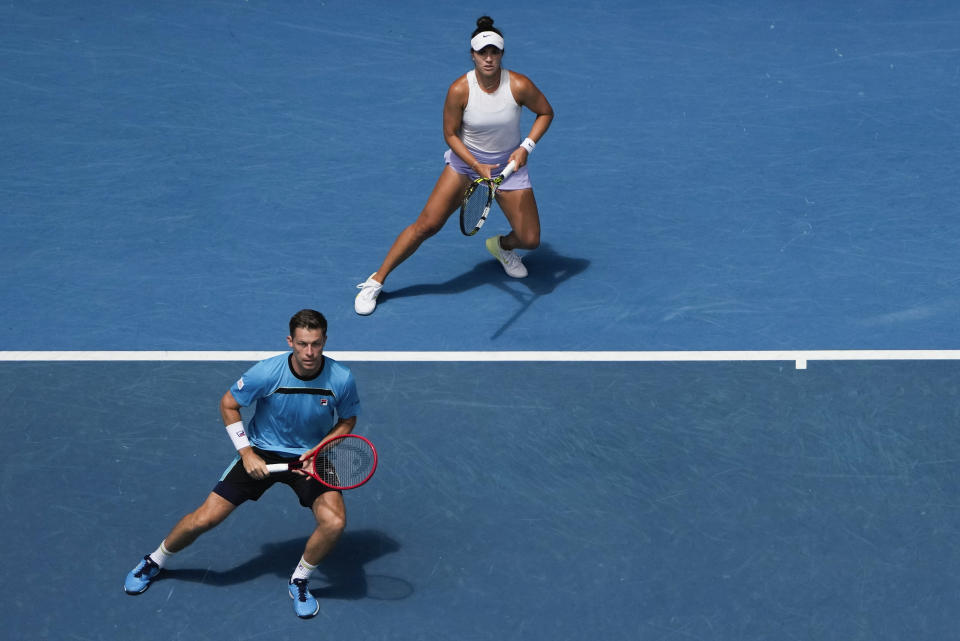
x=660 y=501
x=734 y=176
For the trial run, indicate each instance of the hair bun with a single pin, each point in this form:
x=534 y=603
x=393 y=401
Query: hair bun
x=484 y=22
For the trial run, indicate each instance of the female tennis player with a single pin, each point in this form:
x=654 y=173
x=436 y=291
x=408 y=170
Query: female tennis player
x=481 y=123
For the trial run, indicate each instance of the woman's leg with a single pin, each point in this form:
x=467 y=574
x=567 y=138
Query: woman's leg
x=520 y=208
x=443 y=201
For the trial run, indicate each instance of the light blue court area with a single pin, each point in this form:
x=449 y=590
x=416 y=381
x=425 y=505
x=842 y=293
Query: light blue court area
x=733 y=175
x=528 y=501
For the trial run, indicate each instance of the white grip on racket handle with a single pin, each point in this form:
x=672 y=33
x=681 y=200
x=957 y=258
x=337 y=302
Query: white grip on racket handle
x=511 y=167
x=278 y=467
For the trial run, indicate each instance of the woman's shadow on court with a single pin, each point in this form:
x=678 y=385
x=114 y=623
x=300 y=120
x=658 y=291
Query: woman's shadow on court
x=547 y=270
x=343 y=568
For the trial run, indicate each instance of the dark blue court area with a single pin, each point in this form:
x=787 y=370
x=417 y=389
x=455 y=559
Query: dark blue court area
x=720 y=176
x=644 y=501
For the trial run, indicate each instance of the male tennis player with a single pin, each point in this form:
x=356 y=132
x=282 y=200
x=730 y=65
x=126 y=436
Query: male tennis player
x=303 y=398
x=481 y=123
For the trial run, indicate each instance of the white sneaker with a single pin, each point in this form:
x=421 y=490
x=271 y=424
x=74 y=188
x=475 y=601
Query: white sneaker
x=509 y=259
x=366 y=300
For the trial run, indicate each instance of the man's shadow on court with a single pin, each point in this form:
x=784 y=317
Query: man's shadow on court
x=547 y=270
x=343 y=568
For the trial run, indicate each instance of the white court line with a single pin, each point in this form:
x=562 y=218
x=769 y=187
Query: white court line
x=799 y=357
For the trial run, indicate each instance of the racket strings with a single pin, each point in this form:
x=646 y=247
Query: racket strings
x=476 y=204
x=345 y=464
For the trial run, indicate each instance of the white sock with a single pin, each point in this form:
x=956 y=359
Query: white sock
x=161 y=555
x=303 y=570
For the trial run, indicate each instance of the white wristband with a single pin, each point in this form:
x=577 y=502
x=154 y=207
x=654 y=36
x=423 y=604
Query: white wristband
x=529 y=145
x=237 y=435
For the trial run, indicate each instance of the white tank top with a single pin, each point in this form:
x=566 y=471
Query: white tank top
x=491 y=121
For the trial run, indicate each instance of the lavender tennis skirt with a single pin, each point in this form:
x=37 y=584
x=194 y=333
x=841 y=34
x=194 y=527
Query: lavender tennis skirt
x=519 y=179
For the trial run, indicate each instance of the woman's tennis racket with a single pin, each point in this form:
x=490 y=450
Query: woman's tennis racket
x=477 y=201
x=343 y=463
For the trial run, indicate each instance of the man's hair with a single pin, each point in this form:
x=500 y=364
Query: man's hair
x=308 y=319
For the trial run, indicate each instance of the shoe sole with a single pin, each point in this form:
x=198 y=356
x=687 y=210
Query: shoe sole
x=145 y=588
x=363 y=313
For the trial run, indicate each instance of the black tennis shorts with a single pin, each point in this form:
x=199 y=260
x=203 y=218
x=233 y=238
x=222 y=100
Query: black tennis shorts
x=237 y=486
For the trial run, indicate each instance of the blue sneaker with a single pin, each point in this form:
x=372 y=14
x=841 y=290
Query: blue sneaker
x=140 y=577
x=303 y=602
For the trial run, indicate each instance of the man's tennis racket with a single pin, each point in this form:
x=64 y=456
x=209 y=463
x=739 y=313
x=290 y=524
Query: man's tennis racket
x=477 y=201
x=343 y=463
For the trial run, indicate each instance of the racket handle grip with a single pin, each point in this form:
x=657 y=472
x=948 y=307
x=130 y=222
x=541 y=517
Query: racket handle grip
x=278 y=467
x=510 y=168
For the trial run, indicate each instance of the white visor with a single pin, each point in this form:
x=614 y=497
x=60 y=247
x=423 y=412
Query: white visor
x=485 y=39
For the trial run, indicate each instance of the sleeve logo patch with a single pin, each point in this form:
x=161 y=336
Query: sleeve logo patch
x=240 y=383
